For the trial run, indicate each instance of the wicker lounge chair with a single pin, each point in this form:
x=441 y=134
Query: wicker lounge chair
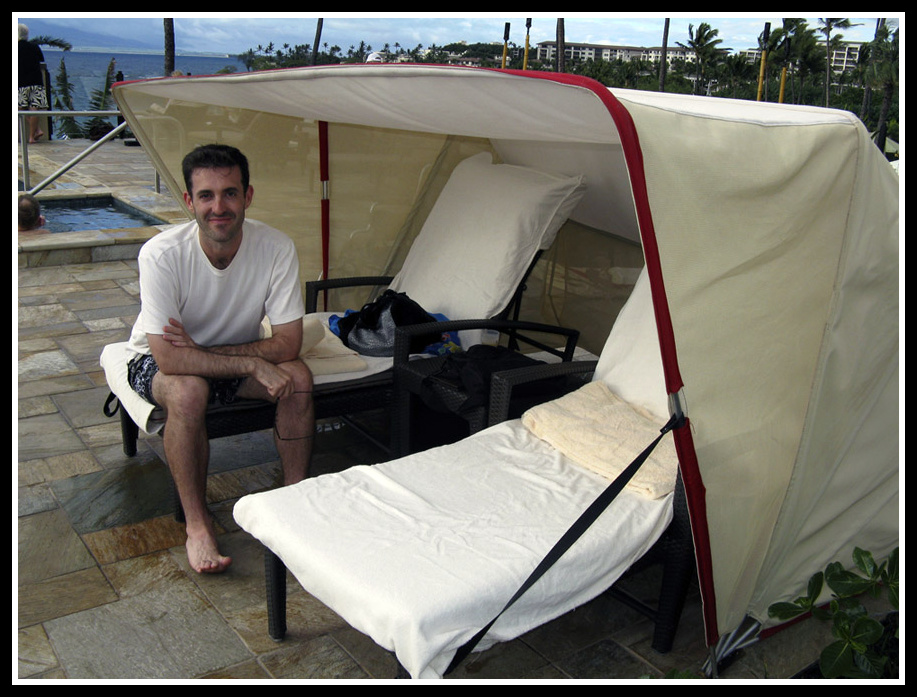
x=467 y=262
x=420 y=552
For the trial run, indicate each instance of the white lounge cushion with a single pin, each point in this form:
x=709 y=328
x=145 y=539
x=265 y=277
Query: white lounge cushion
x=483 y=231
x=419 y=553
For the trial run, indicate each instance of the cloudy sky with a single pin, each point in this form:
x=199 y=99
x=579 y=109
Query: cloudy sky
x=237 y=32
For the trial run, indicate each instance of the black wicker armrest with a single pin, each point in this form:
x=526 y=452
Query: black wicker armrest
x=404 y=335
x=503 y=383
x=313 y=288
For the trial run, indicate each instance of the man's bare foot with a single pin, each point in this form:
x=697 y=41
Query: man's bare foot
x=204 y=556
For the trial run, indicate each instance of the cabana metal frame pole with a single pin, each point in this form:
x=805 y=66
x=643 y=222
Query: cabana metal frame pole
x=326 y=200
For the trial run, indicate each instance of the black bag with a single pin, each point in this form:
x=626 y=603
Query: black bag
x=471 y=371
x=371 y=331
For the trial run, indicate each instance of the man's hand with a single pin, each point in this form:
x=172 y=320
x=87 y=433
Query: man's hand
x=176 y=335
x=277 y=382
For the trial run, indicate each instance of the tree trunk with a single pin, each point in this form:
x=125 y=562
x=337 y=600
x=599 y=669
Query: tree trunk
x=882 y=130
x=561 y=47
x=168 y=27
x=867 y=88
x=317 y=42
x=664 y=61
x=827 y=69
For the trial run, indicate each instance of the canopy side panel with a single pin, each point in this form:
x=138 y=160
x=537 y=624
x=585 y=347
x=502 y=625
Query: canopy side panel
x=844 y=492
x=749 y=220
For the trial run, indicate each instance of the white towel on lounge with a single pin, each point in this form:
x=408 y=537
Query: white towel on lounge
x=329 y=356
x=598 y=430
x=322 y=350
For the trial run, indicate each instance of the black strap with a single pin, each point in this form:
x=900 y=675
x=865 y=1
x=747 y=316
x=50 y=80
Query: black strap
x=107 y=409
x=588 y=517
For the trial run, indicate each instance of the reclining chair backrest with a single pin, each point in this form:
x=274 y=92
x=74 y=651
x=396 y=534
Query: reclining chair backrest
x=481 y=235
x=631 y=362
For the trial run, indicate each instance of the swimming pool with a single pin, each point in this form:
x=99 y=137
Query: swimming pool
x=93 y=213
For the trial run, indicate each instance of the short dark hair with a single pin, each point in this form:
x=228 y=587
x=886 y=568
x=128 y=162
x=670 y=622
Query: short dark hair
x=214 y=156
x=29 y=212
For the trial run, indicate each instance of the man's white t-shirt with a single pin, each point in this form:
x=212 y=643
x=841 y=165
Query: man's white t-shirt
x=217 y=307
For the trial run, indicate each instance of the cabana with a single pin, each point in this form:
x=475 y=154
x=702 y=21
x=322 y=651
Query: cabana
x=769 y=234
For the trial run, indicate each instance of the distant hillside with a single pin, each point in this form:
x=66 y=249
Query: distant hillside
x=86 y=40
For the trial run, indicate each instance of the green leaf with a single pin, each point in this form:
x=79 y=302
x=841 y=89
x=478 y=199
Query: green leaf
x=890 y=578
x=868 y=665
x=851 y=607
x=815 y=585
x=893 y=595
x=864 y=562
x=820 y=613
x=845 y=583
x=866 y=630
x=785 y=611
x=841 y=627
x=892 y=568
x=836 y=659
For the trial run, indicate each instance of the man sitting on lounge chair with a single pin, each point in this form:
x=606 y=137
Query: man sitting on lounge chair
x=205 y=287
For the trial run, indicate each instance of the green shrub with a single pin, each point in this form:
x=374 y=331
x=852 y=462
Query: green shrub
x=863 y=646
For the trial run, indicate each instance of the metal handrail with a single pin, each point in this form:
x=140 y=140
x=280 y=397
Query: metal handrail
x=24 y=143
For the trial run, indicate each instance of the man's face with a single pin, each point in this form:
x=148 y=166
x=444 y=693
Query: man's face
x=218 y=202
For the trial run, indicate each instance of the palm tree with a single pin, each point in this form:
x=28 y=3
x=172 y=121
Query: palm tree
x=318 y=38
x=882 y=75
x=664 y=59
x=63 y=101
x=828 y=25
x=801 y=52
x=737 y=71
x=863 y=68
x=41 y=40
x=101 y=100
x=705 y=47
x=168 y=28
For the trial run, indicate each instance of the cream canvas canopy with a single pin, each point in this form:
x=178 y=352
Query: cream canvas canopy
x=770 y=234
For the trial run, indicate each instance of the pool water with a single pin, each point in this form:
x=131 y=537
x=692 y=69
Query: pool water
x=105 y=213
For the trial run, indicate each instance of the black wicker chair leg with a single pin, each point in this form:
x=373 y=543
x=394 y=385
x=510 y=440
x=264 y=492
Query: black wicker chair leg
x=129 y=433
x=678 y=566
x=401 y=423
x=676 y=579
x=275 y=581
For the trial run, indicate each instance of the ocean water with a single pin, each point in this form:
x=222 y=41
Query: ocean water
x=86 y=70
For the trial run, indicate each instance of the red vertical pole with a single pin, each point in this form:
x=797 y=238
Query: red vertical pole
x=326 y=202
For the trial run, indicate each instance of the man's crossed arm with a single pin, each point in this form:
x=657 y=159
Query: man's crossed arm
x=176 y=353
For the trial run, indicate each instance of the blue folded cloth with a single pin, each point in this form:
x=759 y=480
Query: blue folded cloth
x=449 y=343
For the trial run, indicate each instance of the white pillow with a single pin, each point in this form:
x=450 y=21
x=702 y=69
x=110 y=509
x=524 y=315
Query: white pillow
x=631 y=361
x=481 y=235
